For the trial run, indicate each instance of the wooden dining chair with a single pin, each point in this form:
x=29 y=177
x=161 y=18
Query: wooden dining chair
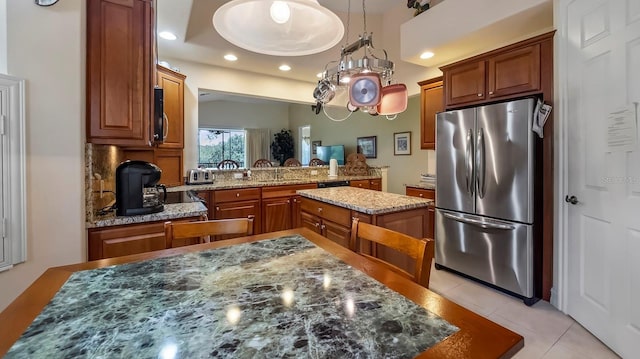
x=420 y=250
x=228 y=165
x=316 y=162
x=235 y=227
x=263 y=162
x=292 y=162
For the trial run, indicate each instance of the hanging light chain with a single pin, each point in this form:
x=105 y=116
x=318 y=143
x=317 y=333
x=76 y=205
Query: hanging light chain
x=364 y=15
x=346 y=38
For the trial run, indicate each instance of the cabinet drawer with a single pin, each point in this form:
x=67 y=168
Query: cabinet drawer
x=359 y=184
x=420 y=192
x=231 y=195
x=326 y=211
x=285 y=191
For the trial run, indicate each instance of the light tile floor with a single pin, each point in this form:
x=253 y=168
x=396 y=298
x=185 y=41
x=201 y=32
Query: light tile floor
x=548 y=333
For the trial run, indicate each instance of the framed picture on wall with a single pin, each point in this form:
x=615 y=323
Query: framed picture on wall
x=402 y=143
x=314 y=146
x=367 y=146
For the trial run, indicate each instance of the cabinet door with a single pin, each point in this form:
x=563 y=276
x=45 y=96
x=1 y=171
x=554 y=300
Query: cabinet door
x=170 y=162
x=464 y=83
x=172 y=84
x=514 y=72
x=240 y=210
x=359 y=184
x=336 y=233
x=431 y=102
x=277 y=214
x=310 y=221
x=296 y=215
x=119 y=70
x=375 y=184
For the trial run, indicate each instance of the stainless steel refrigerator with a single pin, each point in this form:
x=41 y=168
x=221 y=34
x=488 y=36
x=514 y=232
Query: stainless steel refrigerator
x=485 y=167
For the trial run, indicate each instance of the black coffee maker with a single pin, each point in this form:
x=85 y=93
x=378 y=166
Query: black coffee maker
x=137 y=191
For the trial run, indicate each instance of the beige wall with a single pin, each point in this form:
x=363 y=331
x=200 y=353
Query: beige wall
x=3 y=36
x=402 y=169
x=46 y=46
x=229 y=114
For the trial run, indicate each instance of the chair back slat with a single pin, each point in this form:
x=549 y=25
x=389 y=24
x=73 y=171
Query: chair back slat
x=216 y=227
x=420 y=250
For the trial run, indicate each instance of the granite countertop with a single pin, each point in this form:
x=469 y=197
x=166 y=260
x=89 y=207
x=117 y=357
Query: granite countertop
x=243 y=183
x=282 y=297
x=423 y=185
x=171 y=211
x=365 y=200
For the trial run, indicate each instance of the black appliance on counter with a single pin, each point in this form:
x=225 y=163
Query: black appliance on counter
x=333 y=184
x=137 y=188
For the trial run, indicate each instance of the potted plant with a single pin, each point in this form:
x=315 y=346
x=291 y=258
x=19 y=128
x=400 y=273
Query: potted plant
x=282 y=146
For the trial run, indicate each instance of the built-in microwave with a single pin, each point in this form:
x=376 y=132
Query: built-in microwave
x=158 y=115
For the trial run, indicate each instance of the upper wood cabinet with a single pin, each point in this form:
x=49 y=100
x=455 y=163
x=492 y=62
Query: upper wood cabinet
x=119 y=71
x=508 y=72
x=172 y=84
x=431 y=102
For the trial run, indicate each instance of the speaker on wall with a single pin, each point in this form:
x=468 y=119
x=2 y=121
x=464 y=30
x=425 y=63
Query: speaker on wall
x=364 y=89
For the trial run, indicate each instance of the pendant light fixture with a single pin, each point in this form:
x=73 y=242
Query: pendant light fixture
x=368 y=80
x=280 y=27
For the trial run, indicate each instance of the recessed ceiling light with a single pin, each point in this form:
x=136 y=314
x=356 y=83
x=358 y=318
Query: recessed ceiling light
x=426 y=55
x=230 y=57
x=284 y=67
x=167 y=35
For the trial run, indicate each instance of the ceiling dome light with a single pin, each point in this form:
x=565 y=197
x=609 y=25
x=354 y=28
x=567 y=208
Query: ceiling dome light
x=284 y=67
x=167 y=35
x=279 y=28
x=230 y=57
x=280 y=12
x=426 y=55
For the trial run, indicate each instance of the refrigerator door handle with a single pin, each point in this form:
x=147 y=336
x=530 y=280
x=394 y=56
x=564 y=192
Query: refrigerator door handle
x=480 y=162
x=468 y=161
x=479 y=223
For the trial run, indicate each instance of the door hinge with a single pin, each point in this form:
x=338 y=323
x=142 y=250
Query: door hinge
x=4 y=227
x=3 y=120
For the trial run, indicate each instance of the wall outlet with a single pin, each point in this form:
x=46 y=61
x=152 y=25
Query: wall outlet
x=314 y=172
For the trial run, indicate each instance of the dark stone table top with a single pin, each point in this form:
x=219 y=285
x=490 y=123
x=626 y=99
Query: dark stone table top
x=283 y=297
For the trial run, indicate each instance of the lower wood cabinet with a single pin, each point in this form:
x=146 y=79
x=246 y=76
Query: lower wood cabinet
x=116 y=241
x=426 y=194
x=281 y=207
x=238 y=203
x=374 y=184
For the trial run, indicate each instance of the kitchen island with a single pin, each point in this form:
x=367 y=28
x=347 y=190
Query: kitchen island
x=291 y=293
x=329 y=212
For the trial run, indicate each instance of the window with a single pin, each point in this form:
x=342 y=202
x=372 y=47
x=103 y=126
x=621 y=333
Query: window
x=215 y=145
x=12 y=169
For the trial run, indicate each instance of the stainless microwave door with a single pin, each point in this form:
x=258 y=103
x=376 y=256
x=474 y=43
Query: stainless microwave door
x=505 y=161
x=454 y=160
x=496 y=252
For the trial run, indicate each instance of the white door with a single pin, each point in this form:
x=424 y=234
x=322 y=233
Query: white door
x=599 y=73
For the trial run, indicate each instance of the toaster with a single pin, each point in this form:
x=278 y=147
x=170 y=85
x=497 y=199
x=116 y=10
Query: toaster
x=200 y=176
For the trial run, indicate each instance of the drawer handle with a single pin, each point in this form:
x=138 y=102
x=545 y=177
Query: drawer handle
x=323 y=226
x=490 y=92
x=295 y=200
x=420 y=194
x=319 y=209
x=217 y=208
x=288 y=201
x=237 y=194
x=317 y=224
x=479 y=95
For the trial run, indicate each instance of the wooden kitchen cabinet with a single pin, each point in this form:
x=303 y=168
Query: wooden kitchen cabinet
x=119 y=71
x=170 y=162
x=374 y=184
x=512 y=71
x=116 y=241
x=330 y=221
x=426 y=194
x=431 y=102
x=172 y=84
x=280 y=207
x=238 y=203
